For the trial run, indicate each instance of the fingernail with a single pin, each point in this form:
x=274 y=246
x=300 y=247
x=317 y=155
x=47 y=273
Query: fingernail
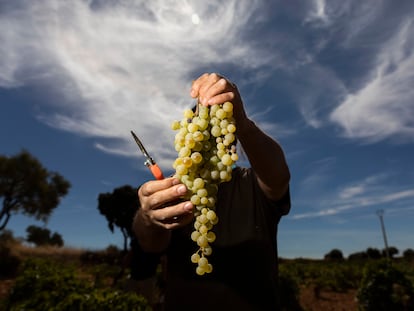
x=182 y=189
x=193 y=93
x=188 y=206
x=176 y=181
x=204 y=101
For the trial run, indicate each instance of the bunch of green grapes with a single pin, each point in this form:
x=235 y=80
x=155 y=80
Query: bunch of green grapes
x=205 y=142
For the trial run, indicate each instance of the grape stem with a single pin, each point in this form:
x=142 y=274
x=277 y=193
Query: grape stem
x=198 y=105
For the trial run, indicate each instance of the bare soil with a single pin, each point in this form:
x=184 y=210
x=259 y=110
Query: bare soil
x=313 y=300
x=5 y=286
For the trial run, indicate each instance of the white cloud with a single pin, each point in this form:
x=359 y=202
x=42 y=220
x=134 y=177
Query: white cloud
x=371 y=191
x=383 y=107
x=320 y=89
x=370 y=95
x=352 y=191
x=121 y=66
x=317 y=13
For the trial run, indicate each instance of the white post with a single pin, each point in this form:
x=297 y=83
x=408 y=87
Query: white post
x=380 y=214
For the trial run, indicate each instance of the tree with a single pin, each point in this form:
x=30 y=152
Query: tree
x=358 y=256
x=373 y=253
x=334 y=254
x=408 y=253
x=42 y=236
x=392 y=251
x=56 y=239
x=6 y=237
x=119 y=208
x=27 y=187
x=385 y=287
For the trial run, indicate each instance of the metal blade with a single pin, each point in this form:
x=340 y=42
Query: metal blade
x=141 y=147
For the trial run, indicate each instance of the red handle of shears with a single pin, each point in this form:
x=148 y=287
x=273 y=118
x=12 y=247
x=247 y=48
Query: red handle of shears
x=156 y=171
x=150 y=163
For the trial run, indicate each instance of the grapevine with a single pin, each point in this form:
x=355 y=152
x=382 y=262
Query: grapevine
x=206 y=145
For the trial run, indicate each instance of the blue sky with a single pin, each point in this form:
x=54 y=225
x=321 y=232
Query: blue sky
x=332 y=81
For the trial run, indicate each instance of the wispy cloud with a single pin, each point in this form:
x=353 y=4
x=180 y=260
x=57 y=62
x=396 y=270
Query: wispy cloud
x=317 y=13
x=372 y=99
x=106 y=67
x=122 y=65
x=383 y=107
x=371 y=191
x=320 y=90
x=351 y=191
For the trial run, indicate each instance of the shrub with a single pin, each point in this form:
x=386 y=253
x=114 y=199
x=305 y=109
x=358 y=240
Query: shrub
x=289 y=291
x=408 y=254
x=45 y=285
x=384 y=287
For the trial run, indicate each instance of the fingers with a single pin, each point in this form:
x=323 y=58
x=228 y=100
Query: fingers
x=154 y=186
x=156 y=193
x=174 y=216
x=212 y=89
x=162 y=204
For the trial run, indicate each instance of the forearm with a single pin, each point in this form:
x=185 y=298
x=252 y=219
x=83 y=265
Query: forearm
x=266 y=158
x=151 y=238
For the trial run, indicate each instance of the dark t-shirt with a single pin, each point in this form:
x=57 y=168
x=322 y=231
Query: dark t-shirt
x=244 y=254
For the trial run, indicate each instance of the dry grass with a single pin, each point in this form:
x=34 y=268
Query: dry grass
x=64 y=254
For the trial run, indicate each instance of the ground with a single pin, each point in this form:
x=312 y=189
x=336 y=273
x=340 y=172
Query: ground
x=327 y=300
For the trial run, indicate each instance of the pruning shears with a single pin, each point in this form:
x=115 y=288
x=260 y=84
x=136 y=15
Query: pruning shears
x=149 y=162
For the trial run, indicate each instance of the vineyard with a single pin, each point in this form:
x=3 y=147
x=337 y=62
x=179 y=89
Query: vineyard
x=368 y=284
x=52 y=278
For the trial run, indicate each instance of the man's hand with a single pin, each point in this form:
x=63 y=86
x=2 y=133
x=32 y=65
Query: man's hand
x=162 y=205
x=213 y=89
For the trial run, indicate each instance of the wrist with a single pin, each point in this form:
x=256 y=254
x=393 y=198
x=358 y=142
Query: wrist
x=143 y=222
x=151 y=237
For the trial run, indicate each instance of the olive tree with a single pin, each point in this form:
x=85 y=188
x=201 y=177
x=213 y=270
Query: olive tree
x=29 y=188
x=335 y=254
x=42 y=236
x=119 y=208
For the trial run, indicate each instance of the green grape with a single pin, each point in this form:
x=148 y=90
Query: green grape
x=207 y=251
x=188 y=113
x=211 y=215
x=195 y=199
x=203 y=262
x=175 y=125
x=195 y=258
x=196 y=157
x=231 y=128
x=211 y=237
x=202 y=193
x=192 y=127
x=226 y=159
x=205 y=144
x=200 y=270
x=198 y=183
x=228 y=107
x=203 y=230
x=216 y=131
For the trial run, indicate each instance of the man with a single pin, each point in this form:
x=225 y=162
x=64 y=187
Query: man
x=249 y=208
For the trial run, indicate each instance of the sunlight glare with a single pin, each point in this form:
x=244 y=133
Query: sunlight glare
x=195 y=19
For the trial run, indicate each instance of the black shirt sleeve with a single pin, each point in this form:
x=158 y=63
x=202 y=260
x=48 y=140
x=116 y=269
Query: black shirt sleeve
x=143 y=265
